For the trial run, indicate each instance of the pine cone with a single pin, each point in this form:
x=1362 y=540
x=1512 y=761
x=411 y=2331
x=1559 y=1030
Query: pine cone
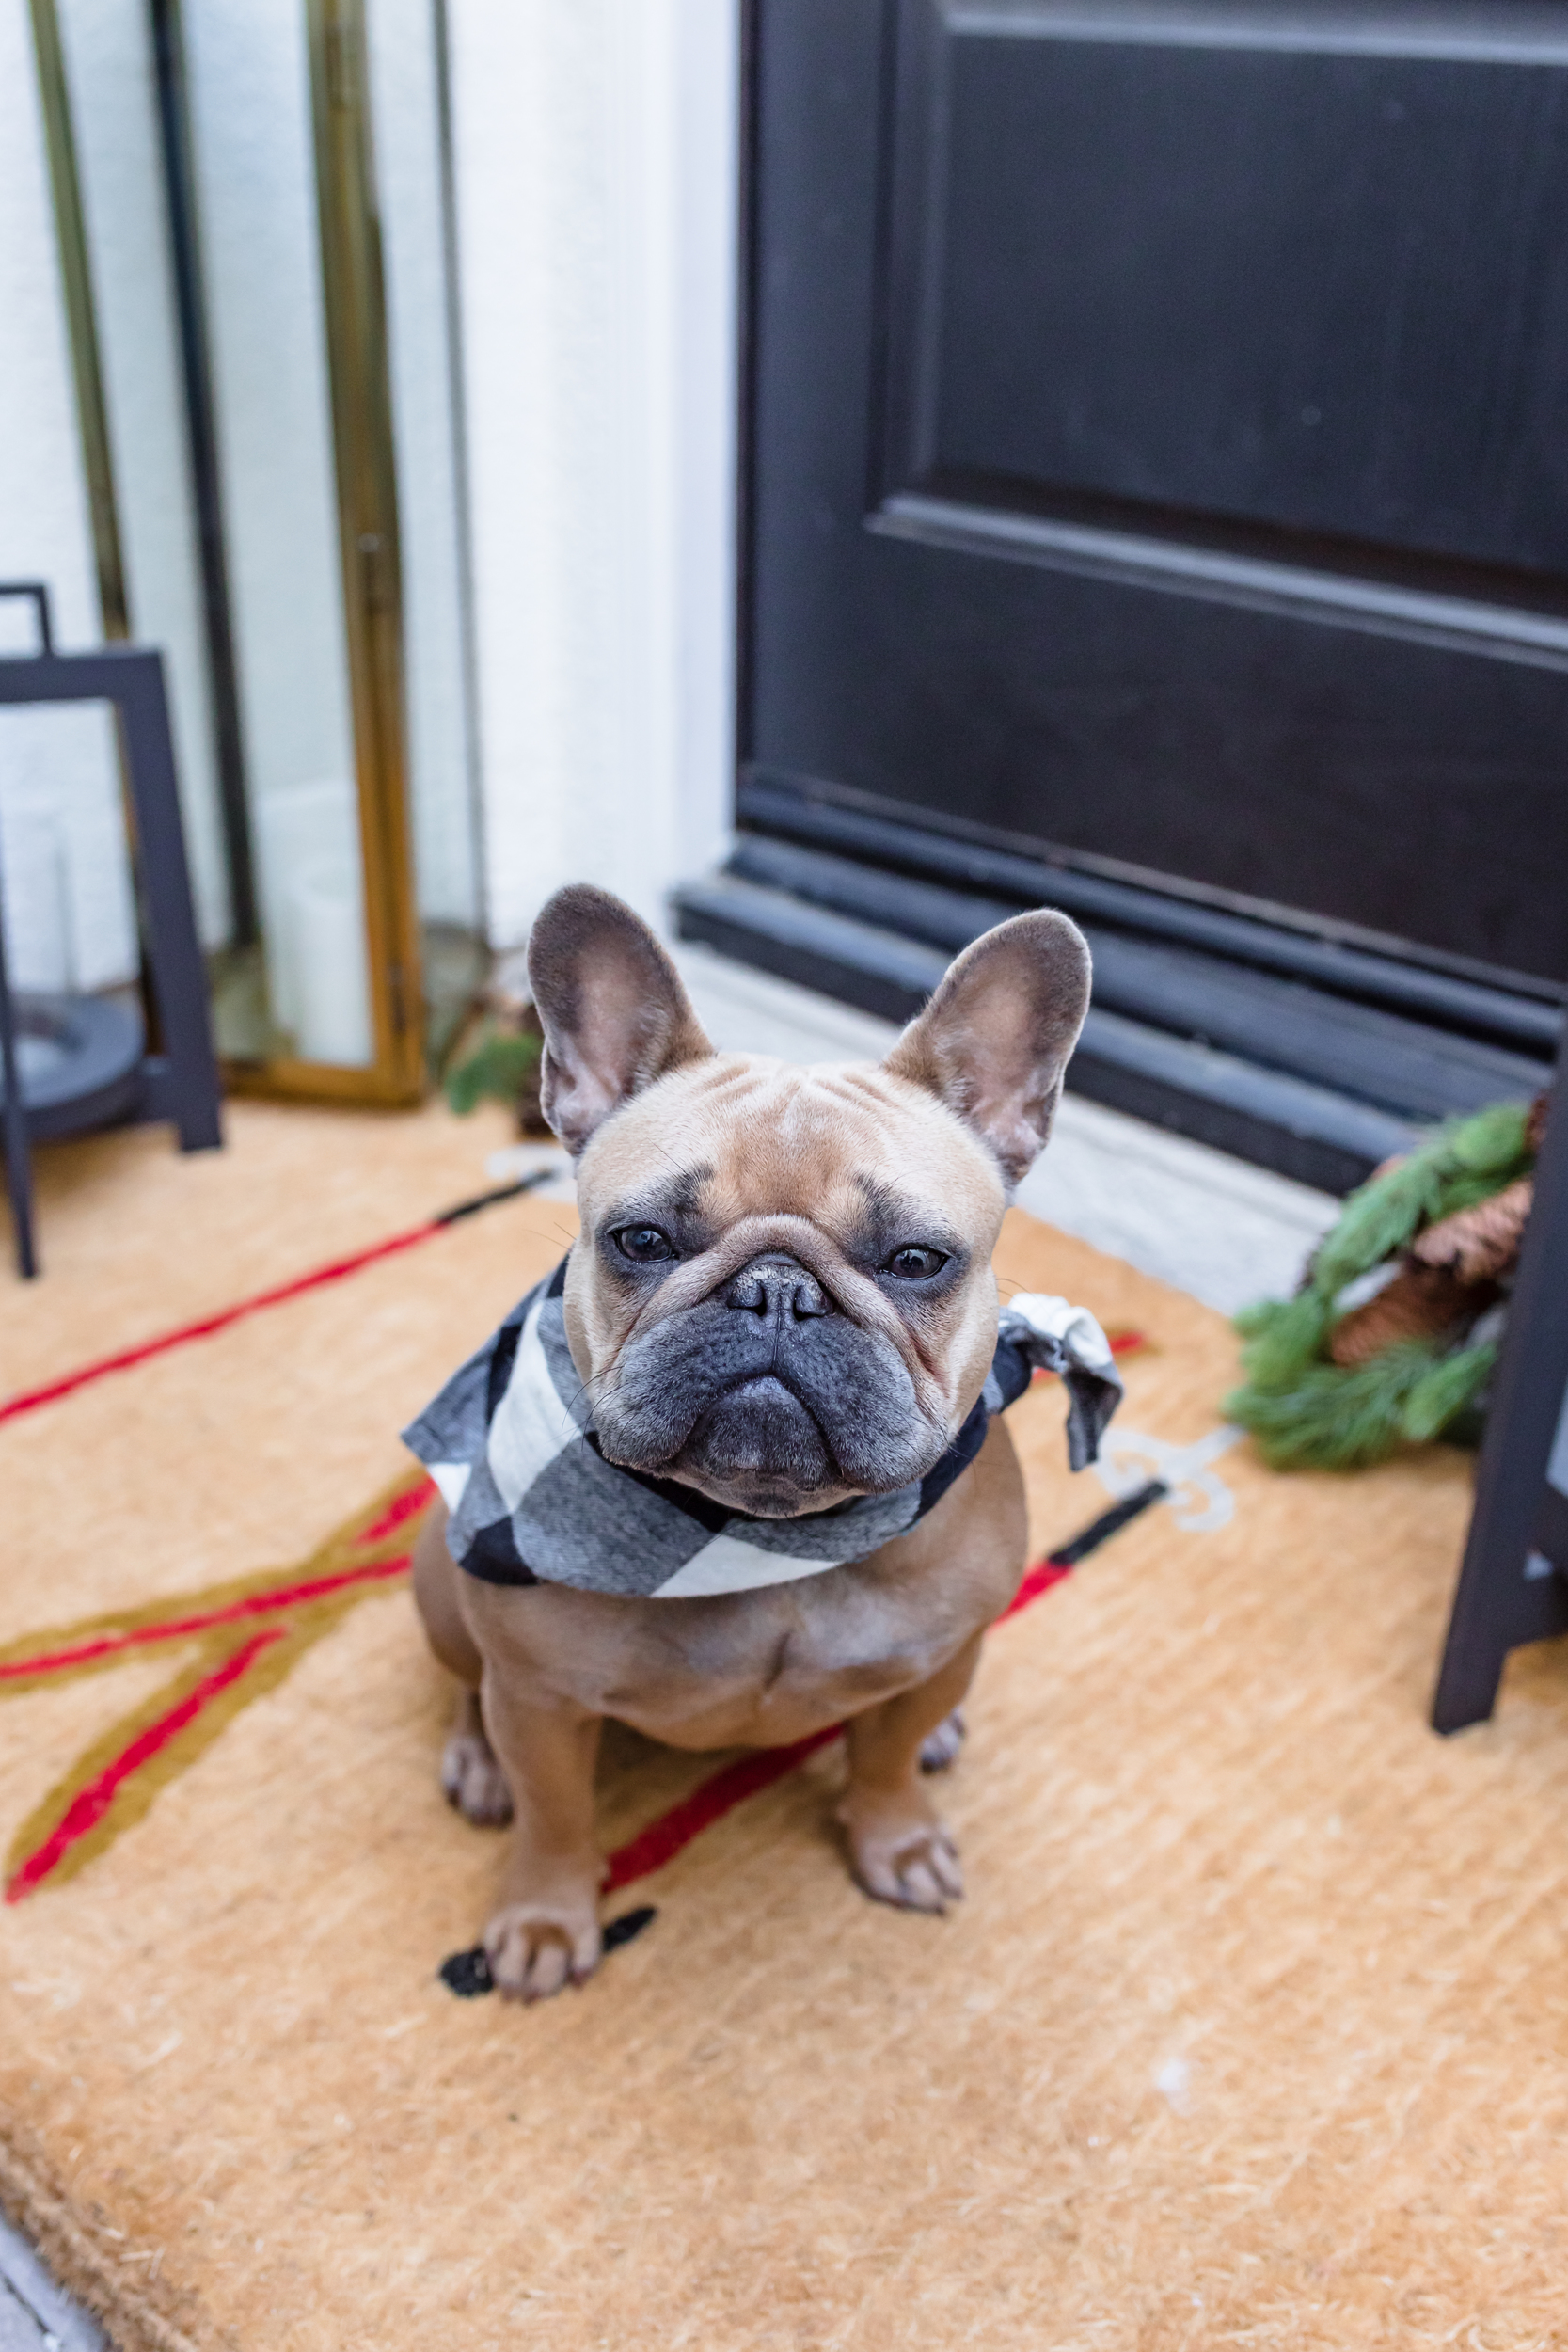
x=1480 y=1243
x=1535 y=1127
x=1421 y=1303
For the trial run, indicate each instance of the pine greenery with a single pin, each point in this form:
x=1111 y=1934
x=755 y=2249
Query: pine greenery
x=497 y=1070
x=1309 y=1413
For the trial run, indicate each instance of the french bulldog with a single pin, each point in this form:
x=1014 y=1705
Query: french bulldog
x=771 y=1347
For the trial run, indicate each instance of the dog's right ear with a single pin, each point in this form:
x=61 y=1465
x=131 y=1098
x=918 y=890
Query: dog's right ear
x=614 y=1013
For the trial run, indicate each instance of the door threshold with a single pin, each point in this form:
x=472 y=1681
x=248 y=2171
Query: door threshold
x=1294 y=1078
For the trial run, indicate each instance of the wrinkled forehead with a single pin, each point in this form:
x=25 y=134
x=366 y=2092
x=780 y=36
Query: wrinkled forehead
x=745 y=1135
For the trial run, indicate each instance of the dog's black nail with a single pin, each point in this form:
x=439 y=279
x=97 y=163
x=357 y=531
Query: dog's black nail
x=630 y=1923
x=468 y=1974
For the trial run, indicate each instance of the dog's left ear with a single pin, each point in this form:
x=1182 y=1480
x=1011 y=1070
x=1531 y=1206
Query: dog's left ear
x=995 y=1040
x=614 y=1013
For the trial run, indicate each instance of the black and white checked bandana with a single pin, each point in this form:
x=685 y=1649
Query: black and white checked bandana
x=511 y=1445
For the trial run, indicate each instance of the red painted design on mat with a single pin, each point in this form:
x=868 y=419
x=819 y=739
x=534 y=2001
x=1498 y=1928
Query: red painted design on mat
x=87 y=1808
x=1038 y=1580
x=401 y=1507
x=232 y=1612
x=748 y=1777
x=29 y=1401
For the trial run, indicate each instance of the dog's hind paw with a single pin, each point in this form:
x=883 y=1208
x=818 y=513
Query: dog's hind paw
x=940 y=1748
x=473 y=1782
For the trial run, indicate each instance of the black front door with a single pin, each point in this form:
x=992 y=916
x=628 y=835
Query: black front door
x=1160 y=445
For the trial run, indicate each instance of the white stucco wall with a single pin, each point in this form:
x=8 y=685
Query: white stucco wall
x=595 y=149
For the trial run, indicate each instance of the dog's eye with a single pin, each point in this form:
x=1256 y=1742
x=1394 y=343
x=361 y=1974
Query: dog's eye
x=914 y=1262
x=644 y=1245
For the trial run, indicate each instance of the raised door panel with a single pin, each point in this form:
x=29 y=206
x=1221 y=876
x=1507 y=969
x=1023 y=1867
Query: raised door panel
x=1290 y=269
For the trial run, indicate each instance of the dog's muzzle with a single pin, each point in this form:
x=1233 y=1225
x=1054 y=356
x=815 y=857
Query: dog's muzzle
x=767 y=1388
x=762 y=1429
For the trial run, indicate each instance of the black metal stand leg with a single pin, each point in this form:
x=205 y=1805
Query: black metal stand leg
x=1509 y=1591
x=189 y=1092
x=1495 y=1611
x=1473 y=1657
x=13 y=1132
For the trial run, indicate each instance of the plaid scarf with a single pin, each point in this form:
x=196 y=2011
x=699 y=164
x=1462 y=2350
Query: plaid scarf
x=510 y=1443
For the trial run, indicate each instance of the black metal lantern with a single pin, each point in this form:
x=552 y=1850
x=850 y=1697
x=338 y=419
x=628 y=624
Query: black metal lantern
x=73 y=1061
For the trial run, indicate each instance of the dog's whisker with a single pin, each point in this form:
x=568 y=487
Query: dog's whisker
x=583 y=1392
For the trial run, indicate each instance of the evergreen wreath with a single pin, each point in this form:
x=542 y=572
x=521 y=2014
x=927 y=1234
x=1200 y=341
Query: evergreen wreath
x=1353 y=1366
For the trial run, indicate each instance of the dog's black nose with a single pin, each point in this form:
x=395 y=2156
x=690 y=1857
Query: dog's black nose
x=777 y=1287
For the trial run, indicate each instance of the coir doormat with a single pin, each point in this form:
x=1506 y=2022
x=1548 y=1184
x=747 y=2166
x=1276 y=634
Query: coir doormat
x=1252 y=2027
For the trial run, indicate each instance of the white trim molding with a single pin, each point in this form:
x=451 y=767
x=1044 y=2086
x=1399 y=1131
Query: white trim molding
x=595 y=145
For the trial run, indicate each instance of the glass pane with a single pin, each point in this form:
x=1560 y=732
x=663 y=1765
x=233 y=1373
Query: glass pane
x=68 y=909
x=67 y=898
x=301 y=989
x=108 y=53
x=249 y=93
x=267 y=765
x=405 y=79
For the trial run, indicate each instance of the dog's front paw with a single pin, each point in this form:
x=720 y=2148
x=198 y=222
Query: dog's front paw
x=908 y=1858
x=472 y=1780
x=537 y=1949
x=919 y=1874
